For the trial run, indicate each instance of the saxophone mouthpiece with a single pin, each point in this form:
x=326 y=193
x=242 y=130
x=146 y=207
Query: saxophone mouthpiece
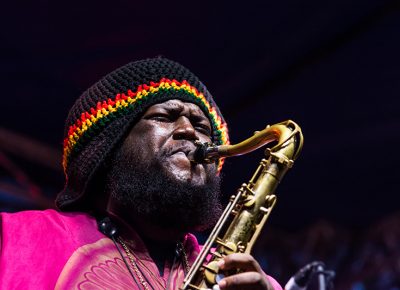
x=204 y=153
x=198 y=155
x=190 y=156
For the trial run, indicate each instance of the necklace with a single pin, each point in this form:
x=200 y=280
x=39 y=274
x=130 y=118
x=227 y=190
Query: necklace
x=179 y=251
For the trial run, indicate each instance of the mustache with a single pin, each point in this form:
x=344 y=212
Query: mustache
x=182 y=146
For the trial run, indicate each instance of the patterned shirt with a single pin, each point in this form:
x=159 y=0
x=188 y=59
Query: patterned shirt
x=53 y=250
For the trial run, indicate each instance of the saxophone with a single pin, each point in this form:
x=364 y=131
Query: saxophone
x=246 y=213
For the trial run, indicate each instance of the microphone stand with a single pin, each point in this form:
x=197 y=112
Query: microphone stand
x=303 y=277
x=321 y=277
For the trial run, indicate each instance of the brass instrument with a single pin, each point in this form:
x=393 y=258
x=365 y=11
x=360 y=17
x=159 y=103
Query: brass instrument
x=248 y=210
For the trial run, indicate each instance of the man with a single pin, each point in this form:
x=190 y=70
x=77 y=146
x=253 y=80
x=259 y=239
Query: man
x=126 y=147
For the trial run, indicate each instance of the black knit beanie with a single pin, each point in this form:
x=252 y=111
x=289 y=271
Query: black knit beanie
x=104 y=114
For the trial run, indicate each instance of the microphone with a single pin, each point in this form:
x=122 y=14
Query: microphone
x=300 y=280
x=107 y=227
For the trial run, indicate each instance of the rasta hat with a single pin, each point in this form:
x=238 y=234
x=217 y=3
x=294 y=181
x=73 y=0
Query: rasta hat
x=104 y=114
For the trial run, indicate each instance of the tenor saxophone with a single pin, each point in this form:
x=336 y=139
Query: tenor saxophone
x=246 y=213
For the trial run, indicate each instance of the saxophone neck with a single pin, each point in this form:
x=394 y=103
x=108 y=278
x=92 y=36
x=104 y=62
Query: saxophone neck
x=287 y=137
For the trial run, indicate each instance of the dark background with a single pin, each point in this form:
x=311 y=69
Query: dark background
x=331 y=66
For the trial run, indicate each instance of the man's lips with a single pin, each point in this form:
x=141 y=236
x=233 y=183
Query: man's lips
x=179 y=159
x=185 y=150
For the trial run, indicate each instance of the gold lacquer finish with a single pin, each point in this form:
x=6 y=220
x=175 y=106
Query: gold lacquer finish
x=248 y=210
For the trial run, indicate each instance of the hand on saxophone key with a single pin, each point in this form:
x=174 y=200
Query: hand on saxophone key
x=251 y=276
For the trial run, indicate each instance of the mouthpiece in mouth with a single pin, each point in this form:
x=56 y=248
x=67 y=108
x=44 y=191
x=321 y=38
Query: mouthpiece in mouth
x=204 y=153
x=197 y=156
x=190 y=156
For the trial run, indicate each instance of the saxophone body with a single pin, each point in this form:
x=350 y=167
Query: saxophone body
x=246 y=213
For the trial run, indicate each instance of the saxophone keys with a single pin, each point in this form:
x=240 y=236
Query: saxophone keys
x=230 y=248
x=227 y=247
x=217 y=254
x=211 y=271
x=241 y=247
x=249 y=201
x=270 y=200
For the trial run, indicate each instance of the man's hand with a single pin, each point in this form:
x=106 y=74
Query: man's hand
x=251 y=276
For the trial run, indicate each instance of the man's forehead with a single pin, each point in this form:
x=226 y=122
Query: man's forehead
x=178 y=105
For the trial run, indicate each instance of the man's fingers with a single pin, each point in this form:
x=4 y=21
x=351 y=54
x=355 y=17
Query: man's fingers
x=244 y=281
x=243 y=262
x=251 y=276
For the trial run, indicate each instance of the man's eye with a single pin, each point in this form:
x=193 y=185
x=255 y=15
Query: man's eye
x=204 y=129
x=161 y=118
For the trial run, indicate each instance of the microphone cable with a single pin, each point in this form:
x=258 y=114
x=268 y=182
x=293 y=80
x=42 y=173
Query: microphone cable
x=107 y=227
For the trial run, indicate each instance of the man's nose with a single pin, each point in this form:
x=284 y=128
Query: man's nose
x=184 y=129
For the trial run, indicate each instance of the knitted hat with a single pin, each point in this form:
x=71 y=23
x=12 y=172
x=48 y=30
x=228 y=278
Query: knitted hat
x=104 y=114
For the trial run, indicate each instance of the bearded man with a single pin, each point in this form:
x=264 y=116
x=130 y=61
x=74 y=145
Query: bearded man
x=131 y=196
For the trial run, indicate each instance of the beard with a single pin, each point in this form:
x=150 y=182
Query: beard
x=143 y=188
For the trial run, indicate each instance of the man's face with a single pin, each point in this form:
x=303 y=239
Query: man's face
x=166 y=132
x=151 y=176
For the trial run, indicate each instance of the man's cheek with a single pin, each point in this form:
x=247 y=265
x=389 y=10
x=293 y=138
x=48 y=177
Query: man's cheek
x=180 y=160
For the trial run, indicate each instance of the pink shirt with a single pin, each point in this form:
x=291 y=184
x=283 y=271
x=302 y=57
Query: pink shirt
x=53 y=250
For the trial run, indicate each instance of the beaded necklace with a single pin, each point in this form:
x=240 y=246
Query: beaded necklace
x=180 y=251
